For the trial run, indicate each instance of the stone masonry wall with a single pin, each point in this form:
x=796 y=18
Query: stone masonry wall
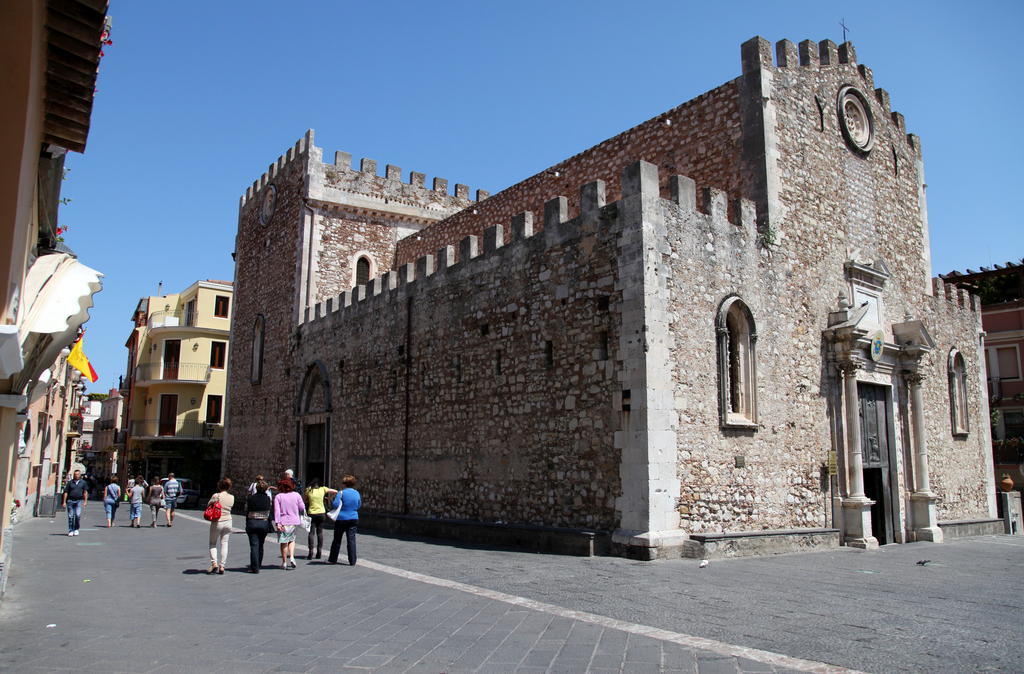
x=508 y=388
x=490 y=388
x=839 y=205
x=959 y=465
x=835 y=206
x=341 y=238
x=266 y=258
x=779 y=484
x=698 y=138
x=360 y=211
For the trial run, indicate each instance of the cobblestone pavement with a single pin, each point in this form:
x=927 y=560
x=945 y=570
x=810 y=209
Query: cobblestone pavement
x=427 y=607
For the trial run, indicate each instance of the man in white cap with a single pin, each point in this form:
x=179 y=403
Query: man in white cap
x=290 y=474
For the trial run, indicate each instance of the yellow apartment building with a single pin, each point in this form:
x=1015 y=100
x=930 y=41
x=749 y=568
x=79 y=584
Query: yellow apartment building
x=176 y=381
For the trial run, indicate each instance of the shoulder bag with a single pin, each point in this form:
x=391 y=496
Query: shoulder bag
x=332 y=514
x=212 y=512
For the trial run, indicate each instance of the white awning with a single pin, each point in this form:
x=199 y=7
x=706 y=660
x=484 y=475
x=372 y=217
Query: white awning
x=10 y=351
x=58 y=290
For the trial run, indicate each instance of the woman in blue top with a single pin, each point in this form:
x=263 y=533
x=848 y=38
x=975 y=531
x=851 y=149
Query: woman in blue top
x=110 y=496
x=348 y=517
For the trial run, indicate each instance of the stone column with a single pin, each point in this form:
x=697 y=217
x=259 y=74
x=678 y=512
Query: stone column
x=856 y=506
x=922 y=501
x=854 y=450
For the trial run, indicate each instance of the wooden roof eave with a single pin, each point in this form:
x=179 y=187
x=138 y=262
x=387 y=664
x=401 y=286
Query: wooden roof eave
x=73 y=29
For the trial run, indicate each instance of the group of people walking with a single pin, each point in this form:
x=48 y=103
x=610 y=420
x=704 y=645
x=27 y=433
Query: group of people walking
x=281 y=510
x=160 y=494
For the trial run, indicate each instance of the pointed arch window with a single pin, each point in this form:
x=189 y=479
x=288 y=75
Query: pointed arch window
x=737 y=364
x=315 y=391
x=256 y=372
x=362 y=270
x=958 y=393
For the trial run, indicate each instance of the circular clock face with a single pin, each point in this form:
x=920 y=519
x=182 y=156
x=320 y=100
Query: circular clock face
x=855 y=119
x=268 y=204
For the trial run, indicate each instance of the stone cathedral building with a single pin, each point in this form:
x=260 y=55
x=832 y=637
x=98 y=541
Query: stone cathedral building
x=715 y=333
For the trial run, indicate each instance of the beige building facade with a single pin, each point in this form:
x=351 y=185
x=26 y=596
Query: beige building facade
x=49 y=439
x=174 y=392
x=108 y=435
x=45 y=292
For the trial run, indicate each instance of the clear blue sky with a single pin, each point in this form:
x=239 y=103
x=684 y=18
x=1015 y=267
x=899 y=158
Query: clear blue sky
x=196 y=99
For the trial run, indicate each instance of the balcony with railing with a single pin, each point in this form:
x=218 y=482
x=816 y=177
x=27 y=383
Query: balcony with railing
x=176 y=429
x=198 y=373
x=172 y=319
x=74 y=426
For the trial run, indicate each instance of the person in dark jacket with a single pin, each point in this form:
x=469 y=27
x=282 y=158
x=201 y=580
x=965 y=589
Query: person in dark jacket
x=348 y=517
x=76 y=495
x=258 y=518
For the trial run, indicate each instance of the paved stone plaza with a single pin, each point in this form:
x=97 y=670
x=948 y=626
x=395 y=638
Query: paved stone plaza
x=428 y=607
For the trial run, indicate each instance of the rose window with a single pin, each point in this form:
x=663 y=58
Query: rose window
x=855 y=120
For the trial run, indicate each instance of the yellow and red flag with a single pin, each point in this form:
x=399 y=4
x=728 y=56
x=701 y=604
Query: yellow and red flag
x=77 y=360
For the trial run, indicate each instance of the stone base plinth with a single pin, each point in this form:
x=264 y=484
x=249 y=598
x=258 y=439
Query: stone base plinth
x=650 y=545
x=766 y=542
x=857 y=523
x=965 y=528
x=923 y=515
x=558 y=540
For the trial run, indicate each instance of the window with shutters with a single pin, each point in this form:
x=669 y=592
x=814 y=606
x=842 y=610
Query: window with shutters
x=214 y=409
x=218 y=354
x=221 y=305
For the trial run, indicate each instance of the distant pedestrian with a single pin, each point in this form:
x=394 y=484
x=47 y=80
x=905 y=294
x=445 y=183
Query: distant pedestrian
x=136 y=495
x=288 y=507
x=76 y=496
x=111 y=496
x=346 y=522
x=220 y=530
x=314 y=497
x=258 y=523
x=172 y=489
x=155 y=498
x=254 y=487
x=290 y=475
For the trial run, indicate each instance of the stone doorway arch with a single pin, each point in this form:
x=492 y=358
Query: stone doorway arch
x=313 y=414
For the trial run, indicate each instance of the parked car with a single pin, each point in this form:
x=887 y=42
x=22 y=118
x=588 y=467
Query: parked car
x=189 y=495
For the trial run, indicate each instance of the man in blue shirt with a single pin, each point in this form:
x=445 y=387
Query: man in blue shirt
x=76 y=495
x=347 y=520
x=172 y=488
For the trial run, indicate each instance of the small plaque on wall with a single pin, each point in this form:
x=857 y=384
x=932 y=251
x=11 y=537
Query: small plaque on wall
x=877 y=345
x=833 y=465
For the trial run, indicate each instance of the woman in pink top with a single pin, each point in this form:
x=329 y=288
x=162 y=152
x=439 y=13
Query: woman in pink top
x=288 y=506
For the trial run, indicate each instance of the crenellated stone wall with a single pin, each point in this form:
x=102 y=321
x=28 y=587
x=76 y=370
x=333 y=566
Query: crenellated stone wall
x=481 y=388
x=564 y=367
x=698 y=138
x=267 y=260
